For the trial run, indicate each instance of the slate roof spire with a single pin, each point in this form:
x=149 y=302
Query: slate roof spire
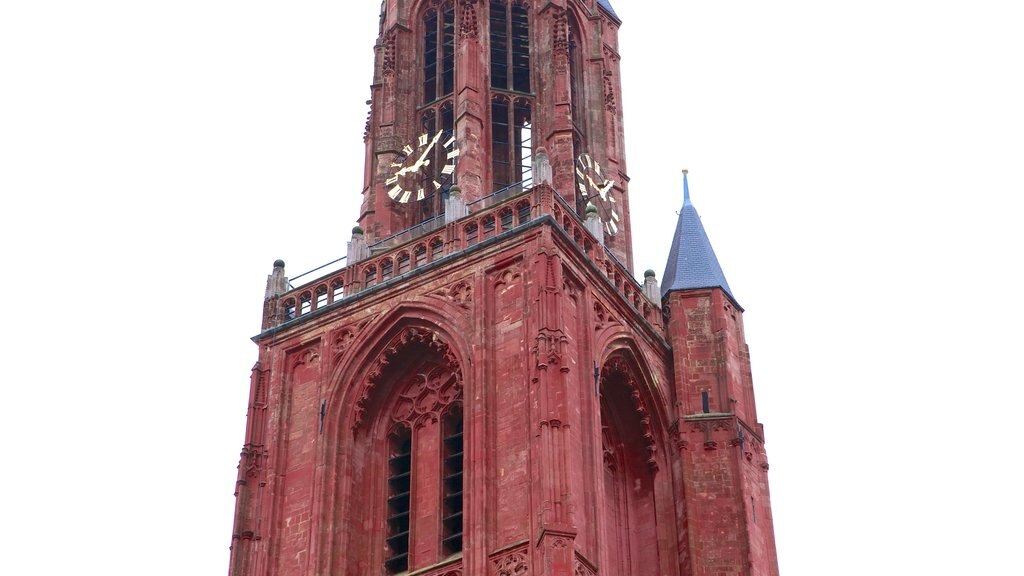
x=607 y=5
x=692 y=263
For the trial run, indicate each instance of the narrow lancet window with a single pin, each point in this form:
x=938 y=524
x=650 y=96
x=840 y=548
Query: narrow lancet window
x=439 y=52
x=451 y=528
x=510 y=46
x=511 y=141
x=399 y=488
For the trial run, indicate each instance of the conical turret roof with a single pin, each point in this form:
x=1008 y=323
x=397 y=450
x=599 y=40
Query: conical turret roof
x=692 y=263
x=607 y=5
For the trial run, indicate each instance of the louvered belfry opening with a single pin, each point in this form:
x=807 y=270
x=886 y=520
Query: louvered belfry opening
x=399 y=487
x=451 y=529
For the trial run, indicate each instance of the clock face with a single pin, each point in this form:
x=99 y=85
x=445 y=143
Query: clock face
x=423 y=168
x=598 y=190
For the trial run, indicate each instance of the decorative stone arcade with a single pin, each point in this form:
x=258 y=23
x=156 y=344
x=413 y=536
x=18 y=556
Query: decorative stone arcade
x=482 y=387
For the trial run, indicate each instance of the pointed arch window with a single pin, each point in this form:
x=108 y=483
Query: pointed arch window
x=511 y=140
x=511 y=105
x=439 y=52
x=577 y=98
x=629 y=473
x=399 y=499
x=421 y=424
x=510 y=45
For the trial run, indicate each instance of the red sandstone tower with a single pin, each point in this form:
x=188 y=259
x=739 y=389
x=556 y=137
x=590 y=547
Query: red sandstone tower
x=482 y=388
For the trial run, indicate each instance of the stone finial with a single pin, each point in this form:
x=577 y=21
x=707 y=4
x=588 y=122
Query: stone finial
x=651 y=288
x=277 y=282
x=357 y=248
x=593 y=223
x=542 y=173
x=454 y=205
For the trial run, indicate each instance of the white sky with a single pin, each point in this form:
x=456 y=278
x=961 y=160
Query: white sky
x=858 y=166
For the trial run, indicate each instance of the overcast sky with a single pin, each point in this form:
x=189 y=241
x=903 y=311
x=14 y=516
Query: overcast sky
x=858 y=167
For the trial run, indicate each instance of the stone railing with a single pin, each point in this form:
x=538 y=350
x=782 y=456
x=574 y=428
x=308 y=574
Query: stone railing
x=620 y=277
x=412 y=249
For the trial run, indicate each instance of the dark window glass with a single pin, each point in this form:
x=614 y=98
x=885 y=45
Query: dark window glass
x=430 y=56
x=436 y=249
x=499 y=45
x=439 y=52
x=448 y=51
x=399 y=486
x=500 y=144
x=420 y=256
x=520 y=28
x=452 y=452
x=510 y=46
x=523 y=212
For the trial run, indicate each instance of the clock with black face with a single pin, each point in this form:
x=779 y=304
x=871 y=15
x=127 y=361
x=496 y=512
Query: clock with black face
x=416 y=174
x=598 y=190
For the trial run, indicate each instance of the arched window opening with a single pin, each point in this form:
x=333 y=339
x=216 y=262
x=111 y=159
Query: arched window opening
x=289 y=309
x=510 y=45
x=523 y=212
x=629 y=512
x=436 y=249
x=370 y=276
x=490 y=225
x=417 y=425
x=506 y=218
x=419 y=256
x=472 y=231
x=387 y=270
x=399 y=505
x=403 y=263
x=338 y=290
x=306 y=303
x=511 y=141
x=438 y=52
x=321 y=296
x=577 y=101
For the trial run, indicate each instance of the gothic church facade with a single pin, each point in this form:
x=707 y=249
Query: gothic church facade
x=482 y=388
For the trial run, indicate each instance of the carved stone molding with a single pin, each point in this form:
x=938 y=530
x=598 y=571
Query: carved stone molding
x=390 y=60
x=508 y=276
x=341 y=339
x=618 y=367
x=560 y=38
x=469 y=27
x=512 y=564
x=252 y=460
x=609 y=92
x=549 y=349
x=583 y=567
x=403 y=339
x=602 y=317
x=308 y=358
x=708 y=426
x=461 y=293
x=424 y=396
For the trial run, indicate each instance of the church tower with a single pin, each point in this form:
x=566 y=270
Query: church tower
x=481 y=387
